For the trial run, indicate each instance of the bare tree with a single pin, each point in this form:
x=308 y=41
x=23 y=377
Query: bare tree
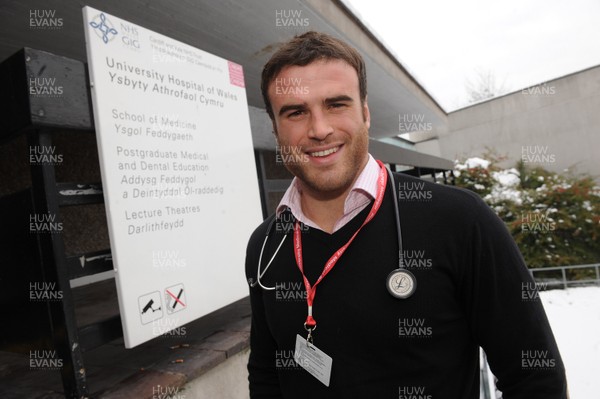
x=483 y=86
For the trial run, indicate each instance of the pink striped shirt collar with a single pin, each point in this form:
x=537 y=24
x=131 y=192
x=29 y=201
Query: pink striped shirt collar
x=362 y=193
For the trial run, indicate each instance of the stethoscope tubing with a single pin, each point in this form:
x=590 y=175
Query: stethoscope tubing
x=260 y=275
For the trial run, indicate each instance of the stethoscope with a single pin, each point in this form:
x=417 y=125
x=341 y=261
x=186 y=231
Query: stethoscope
x=400 y=283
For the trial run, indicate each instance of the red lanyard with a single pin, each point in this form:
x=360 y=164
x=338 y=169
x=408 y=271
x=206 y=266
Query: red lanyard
x=310 y=323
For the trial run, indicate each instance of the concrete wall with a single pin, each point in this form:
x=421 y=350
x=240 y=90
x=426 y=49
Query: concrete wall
x=556 y=123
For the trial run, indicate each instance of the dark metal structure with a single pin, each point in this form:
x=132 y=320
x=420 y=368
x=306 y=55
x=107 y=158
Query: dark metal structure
x=30 y=256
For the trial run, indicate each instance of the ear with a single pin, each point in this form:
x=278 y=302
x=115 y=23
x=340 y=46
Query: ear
x=366 y=113
x=274 y=128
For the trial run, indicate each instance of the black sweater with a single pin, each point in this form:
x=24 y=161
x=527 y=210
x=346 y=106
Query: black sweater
x=473 y=289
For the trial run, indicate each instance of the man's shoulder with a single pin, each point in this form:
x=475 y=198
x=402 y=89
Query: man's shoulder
x=415 y=190
x=420 y=200
x=254 y=245
x=261 y=230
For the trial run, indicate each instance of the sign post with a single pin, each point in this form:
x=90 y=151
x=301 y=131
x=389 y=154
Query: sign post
x=178 y=174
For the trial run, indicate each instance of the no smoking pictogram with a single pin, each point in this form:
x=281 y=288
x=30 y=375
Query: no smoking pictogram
x=175 y=298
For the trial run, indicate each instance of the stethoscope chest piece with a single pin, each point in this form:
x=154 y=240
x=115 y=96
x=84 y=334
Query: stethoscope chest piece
x=401 y=283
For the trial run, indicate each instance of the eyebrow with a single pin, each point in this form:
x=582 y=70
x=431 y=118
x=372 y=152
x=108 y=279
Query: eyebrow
x=337 y=99
x=328 y=101
x=291 y=107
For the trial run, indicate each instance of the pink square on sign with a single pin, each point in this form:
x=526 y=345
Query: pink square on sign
x=236 y=74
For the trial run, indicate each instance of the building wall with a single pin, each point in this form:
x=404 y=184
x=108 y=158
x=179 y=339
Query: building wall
x=556 y=123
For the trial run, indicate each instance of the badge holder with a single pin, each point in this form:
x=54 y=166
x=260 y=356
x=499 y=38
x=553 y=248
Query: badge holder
x=309 y=338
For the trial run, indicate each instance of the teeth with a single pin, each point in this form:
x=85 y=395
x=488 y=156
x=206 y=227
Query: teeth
x=324 y=153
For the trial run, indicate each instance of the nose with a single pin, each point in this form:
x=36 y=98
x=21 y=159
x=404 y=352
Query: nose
x=319 y=127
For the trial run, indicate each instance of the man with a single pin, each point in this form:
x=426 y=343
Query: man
x=351 y=338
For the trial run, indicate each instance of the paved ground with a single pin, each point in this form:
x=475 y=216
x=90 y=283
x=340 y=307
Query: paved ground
x=115 y=372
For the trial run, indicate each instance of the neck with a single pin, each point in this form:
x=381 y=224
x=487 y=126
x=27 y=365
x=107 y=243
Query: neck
x=325 y=209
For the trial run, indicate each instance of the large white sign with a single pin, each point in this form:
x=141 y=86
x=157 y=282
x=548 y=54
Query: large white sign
x=178 y=174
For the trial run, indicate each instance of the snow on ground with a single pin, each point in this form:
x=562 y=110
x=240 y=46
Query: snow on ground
x=574 y=315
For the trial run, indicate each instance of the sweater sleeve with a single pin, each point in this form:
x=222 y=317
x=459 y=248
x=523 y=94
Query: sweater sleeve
x=262 y=373
x=507 y=316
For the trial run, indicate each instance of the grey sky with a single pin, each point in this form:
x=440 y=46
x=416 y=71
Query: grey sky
x=523 y=42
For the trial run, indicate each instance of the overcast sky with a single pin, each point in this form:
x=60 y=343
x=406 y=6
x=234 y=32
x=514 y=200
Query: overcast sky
x=523 y=42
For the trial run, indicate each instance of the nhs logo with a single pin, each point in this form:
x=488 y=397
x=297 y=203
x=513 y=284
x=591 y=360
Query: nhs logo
x=107 y=31
x=130 y=36
x=103 y=28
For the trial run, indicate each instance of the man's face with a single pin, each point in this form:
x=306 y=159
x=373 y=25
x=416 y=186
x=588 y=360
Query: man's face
x=320 y=119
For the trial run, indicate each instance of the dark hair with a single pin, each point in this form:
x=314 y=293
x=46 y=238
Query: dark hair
x=305 y=49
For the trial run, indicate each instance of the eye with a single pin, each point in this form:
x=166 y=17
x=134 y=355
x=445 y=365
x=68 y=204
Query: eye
x=295 y=113
x=337 y=105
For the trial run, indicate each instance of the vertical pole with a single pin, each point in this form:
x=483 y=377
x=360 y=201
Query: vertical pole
x=262 y=180
x=54 y=268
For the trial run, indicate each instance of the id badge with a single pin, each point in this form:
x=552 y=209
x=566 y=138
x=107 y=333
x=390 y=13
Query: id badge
x=313 y=360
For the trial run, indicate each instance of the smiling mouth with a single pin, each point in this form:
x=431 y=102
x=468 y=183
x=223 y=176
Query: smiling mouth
x=324 y=153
